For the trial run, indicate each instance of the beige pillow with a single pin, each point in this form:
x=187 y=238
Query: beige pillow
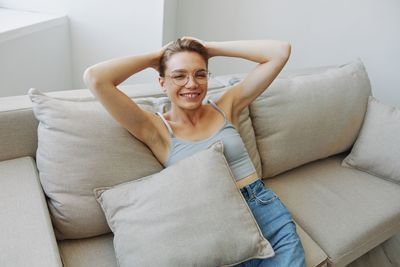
x=377 y=148
x=305 y=117
x=80 y=147
x=189 y=214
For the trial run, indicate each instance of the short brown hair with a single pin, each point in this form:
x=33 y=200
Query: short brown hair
x=185 y=45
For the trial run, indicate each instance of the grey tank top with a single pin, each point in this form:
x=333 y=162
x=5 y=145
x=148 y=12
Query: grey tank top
x=234 y=149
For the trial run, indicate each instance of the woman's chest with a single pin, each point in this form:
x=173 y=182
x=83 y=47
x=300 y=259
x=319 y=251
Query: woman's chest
x=232 y=142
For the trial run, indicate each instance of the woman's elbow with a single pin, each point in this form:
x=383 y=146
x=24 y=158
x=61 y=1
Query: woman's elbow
x=90 y=77
x=286 y=49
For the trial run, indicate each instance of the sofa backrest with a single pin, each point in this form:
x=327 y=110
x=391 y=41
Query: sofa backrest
x=18 y=136
x=309 y=98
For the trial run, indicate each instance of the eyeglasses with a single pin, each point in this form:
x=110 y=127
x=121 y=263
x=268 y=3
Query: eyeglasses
x=182 y=78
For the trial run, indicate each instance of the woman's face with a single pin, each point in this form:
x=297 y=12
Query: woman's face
x=185 y=80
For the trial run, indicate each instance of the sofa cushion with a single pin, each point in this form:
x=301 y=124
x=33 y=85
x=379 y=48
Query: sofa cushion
x=346 y=211
x=81 y=147
x=325 y=109
x=191 y=214
x=377 y=148
x=73 y=158
x=94 y=251
x=99 y=251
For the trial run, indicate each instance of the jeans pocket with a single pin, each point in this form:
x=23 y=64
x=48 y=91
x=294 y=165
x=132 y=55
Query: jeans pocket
x=265 y=196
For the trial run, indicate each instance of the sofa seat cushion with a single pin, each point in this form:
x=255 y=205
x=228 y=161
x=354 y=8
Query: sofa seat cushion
x=99 y=251
x=95 y=251
x=346 y=211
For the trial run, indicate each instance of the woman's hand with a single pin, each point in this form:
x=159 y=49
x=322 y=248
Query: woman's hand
x=160 y=52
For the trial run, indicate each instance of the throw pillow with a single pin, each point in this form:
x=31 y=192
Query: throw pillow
x=189 y=214
x=377 y=148
x=305 y=117
x=80 y=147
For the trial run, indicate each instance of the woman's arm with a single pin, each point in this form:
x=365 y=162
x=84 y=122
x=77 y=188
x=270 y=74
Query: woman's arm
x=271 y=55
x=259 y=51
x=102 y=80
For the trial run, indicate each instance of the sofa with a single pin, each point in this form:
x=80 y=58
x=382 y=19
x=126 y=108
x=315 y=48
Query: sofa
x=301 y=134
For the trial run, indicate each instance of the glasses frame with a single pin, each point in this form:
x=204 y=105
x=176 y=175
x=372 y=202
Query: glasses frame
x=187 y=79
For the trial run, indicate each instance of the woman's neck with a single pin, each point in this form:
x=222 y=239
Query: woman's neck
x=187 y=116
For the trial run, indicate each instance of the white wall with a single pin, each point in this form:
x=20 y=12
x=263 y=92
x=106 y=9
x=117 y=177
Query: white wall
x=169 y=25
x=102 y=30
x=321 y=32
x=34 y=52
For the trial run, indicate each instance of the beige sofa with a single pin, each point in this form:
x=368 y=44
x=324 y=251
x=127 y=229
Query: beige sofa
x=298 y=132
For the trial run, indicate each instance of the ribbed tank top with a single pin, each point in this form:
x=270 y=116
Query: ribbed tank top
x=234 y=149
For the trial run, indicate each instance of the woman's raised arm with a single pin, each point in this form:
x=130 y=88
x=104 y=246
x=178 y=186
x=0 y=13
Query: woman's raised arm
x=102 y=80
x=260 y=51
x=271 y=55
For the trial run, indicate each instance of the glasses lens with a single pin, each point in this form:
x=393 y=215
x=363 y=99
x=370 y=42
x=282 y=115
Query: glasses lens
x=179 y=79
x=200 y=77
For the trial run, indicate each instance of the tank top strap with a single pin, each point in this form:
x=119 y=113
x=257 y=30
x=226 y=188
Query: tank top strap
x=217 y=108
x=166 y=124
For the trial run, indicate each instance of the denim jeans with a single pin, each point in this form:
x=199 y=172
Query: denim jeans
x=277 y=226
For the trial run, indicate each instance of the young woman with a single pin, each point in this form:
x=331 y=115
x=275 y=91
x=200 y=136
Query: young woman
x=191 y=126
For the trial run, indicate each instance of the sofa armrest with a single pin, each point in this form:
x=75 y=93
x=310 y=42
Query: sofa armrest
x=27 y=237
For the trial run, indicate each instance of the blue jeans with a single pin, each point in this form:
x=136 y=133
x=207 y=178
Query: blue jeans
x=277 y=226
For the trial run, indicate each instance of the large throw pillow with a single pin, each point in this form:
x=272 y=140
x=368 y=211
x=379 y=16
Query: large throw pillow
x=377 y=148
x=80 y=147
x=305 y=117
x=189 y=214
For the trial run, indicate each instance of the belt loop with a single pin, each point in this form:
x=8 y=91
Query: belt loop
x=249 y=191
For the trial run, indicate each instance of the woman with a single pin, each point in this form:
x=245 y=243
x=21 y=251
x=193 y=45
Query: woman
x=191 y=126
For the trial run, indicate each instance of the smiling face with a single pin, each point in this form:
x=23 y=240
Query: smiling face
x=190 y=95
